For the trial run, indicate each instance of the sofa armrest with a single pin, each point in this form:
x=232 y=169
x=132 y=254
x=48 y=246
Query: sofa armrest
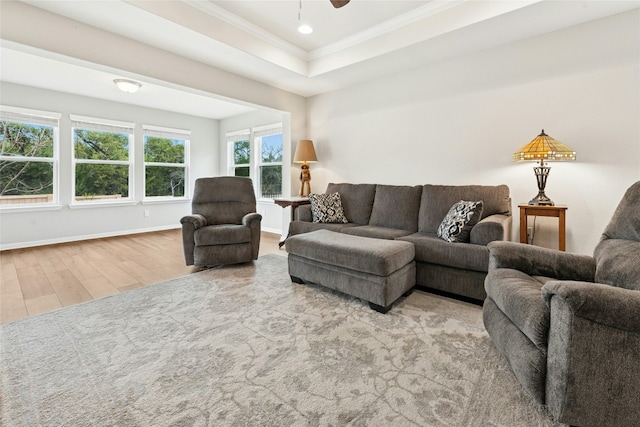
x=493 y=227
x=303 y=213
x=603 y=304
x=592 y=354
x=538 y=261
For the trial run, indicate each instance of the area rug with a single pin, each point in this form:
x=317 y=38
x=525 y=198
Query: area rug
x=244 y=346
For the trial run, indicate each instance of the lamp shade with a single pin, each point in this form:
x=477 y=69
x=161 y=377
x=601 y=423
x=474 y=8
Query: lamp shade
x=543 y=147
x=305 y=153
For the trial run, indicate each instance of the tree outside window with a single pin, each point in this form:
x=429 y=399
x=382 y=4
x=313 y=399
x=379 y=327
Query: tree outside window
x=270 y=165
x=27 y=159
x=165 y=164
x=102 y=161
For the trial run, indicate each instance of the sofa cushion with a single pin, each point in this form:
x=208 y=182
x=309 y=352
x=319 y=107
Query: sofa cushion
x=396 y=207
x=357 y=200
x=327 y=208
x=299 y=227
x=457 y=224
x=437 y=200
x=617 y=263
x=433 y=250
x=375 y=232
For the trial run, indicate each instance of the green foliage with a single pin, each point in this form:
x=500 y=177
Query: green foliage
x=164 y=181
x=24 y=140
x=241 y=152
x=101 y=179
x=99 y=145
x=163 y=150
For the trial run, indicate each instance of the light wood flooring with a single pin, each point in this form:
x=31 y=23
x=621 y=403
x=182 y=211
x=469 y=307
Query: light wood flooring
x=44 y=278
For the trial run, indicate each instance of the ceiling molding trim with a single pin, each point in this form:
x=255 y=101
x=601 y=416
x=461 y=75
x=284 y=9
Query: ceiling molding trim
x=244 y=25
x=391 y=25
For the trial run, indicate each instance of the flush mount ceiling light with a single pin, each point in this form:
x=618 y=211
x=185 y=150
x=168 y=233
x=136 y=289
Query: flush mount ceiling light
x=128 y=86
x=305 y=29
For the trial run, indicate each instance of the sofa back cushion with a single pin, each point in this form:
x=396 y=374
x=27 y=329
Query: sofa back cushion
x=357 y=200
x=437 y=200
x=396 y=207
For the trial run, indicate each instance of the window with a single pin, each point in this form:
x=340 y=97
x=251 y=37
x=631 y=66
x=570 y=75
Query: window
x=28 y=157
x=260 y=160
x=165 y=162
x=102 y=159
x=240 y=148
x=269 y=145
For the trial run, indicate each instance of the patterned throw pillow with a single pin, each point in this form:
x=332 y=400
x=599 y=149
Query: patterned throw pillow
x=457 y=224
x=327 y=208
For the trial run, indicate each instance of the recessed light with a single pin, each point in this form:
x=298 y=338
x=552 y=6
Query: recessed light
x=129 y=86
x=305 y=29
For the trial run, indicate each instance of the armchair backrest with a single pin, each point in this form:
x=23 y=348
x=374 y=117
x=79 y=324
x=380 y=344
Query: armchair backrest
x=224 y=199
x=618 y=251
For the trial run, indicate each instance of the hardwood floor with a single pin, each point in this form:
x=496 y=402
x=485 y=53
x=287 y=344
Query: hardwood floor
x=41 y=279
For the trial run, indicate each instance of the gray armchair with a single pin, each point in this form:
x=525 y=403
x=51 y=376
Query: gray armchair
x=569 y=325
x=224 y=227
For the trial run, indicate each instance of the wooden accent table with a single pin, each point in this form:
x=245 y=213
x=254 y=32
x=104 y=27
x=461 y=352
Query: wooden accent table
x=294 y=202
x=553 y=211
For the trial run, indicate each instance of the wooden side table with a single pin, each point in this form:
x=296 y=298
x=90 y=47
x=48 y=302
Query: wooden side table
x=294 y=202
x=552 y=211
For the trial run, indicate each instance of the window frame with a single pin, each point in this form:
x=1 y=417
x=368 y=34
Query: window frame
x=169 y=133
x=254 y=136
x=103 y=125
x=40 y=118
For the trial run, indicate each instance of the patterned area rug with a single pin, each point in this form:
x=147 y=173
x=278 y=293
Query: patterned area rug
x=243 y=346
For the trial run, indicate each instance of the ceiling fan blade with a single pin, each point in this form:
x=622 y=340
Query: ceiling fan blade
x=339 y=3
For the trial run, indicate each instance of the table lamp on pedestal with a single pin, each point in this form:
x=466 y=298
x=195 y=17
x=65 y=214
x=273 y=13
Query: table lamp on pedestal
x=305 y=153
x=542 y=148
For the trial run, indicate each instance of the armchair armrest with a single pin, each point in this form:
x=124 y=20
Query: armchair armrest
x=538 y=261
x=490 y=228
x=592 y=353
x=603 y=304
x=253 y=220
x=196 y=220
x=190 y=223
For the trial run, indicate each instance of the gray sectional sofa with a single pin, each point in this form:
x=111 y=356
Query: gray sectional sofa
x=413 y=214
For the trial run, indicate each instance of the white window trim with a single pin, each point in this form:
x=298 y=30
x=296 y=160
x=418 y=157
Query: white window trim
x=104 y=125
x=43 y=118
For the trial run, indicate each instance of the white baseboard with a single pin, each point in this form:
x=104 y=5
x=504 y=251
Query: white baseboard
x=34 y=243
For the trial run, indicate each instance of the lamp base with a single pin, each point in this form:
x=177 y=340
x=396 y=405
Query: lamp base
x=541 y=200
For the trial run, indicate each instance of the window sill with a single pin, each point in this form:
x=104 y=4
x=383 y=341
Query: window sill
x=165 y=200
x=29 y=208
x=93 y=205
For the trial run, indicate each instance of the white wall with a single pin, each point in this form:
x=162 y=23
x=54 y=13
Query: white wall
x=459 y=122
x=19 y=229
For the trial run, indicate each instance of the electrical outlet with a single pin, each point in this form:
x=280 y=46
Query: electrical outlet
x=529 y=234
x=146 y=213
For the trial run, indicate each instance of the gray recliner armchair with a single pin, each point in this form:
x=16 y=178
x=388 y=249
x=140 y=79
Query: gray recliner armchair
x=569 y=325
x=224 y=227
